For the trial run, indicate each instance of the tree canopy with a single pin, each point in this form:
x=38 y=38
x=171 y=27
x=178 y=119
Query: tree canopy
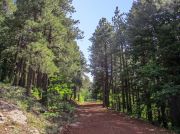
x=135 y=61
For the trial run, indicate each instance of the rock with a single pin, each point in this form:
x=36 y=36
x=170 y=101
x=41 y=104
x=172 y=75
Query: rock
x=3 y=119
x=34 y=131
x=4 y=106
x=1 y=115
x=11 y=111
x=11 y=127
x=2 y=92
x=17 y=116
x=60 y=129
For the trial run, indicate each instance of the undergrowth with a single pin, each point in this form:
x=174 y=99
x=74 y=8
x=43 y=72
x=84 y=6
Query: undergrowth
x=46 y=120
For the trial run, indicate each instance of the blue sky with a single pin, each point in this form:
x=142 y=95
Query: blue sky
x=89 y=12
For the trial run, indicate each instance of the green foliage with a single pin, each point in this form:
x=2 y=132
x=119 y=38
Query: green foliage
x=62 y=89
x=85 y=95
x=39 y=52
x=38 y=43
x=136 y=63
x=36 y=92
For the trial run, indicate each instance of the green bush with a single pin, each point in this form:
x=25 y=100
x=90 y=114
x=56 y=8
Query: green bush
x=36 y=93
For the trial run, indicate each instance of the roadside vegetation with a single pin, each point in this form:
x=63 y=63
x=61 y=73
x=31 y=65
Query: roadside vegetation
x=135 y=62
x=41 y=66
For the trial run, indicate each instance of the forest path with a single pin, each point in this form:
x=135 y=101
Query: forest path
x=94 y=119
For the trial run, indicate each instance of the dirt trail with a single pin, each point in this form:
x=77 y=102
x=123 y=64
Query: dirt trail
x=94 y=119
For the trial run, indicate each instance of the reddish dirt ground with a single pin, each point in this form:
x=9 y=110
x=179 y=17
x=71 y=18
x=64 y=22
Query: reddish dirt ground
x=94 y=119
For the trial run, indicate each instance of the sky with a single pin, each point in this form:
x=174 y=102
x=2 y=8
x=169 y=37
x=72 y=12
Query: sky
x=89 y=12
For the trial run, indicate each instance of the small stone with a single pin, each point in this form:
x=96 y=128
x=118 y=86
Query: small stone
x=11 y=127
x=2 y=118
x=1 y=114
x=60 y=129
x=34 y=131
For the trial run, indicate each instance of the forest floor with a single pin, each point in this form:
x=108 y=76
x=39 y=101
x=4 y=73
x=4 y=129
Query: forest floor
x=94 y=119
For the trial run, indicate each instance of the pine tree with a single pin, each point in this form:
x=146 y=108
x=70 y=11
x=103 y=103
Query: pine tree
x=100 y=56
x=40 y=44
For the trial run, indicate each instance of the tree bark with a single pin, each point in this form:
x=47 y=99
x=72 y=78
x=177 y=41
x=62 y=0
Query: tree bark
x=45 y=88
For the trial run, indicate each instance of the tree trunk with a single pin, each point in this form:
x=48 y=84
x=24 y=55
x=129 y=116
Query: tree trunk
x=175 y=110
x=106 y=79
x=45 y=88
x=164 y=120
x=138 y=104
x=22 y=81
x=149 y=107
x=29 y=82
x=39 y=79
